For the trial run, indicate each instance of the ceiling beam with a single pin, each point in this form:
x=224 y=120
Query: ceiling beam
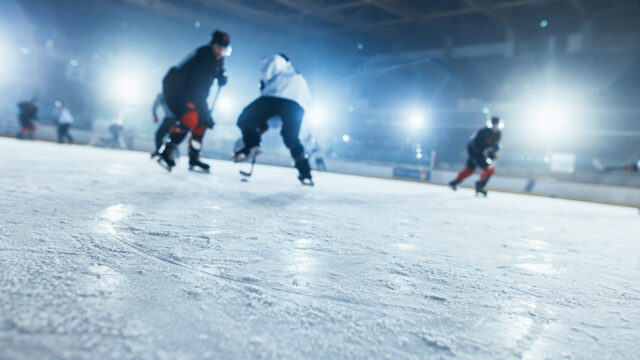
x=459 y=12
x=393 y=8
x=311 y=8
x=485 y=9
x=183 y=12
x=344 y=6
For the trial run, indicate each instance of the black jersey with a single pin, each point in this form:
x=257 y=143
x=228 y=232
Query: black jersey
x=194 y=77
x=28 y=112
x=484 y=139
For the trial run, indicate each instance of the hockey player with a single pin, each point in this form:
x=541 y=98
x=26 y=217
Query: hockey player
x=283 y=93
x=28 y=114
x=168 y=121
x=63 y=120
x=483 y=149
x=116 y=131
x=186 y=89
x=633 y=167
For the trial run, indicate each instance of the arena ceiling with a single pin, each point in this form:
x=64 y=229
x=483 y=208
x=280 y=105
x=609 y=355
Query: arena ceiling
x=408 y=24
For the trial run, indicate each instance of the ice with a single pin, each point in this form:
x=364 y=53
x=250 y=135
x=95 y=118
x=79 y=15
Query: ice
x=103 y=254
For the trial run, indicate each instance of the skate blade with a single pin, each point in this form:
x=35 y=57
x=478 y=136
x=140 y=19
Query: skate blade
x=199 y=170
x=162 y=163
x=307 y=182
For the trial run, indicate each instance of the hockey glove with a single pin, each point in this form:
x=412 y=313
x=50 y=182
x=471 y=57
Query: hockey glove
x=223 y=78
x=208 y=121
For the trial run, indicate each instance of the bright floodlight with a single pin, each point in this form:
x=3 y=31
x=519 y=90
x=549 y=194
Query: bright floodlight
x=551 y=118
x=225 y=104
x=416 y=118
x=126 y=88
x=317 y=115
x=345 y=138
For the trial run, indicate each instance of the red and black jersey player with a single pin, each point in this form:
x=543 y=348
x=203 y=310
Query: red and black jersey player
x=483 y=149
x=186 y=89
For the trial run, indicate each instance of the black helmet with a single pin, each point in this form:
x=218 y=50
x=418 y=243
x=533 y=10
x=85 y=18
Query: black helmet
x=220 y=38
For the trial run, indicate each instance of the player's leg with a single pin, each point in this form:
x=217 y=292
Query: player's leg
x=253 y=122
x=468 y=170
x=162 y=131
x=195 y=148
x=292 y=114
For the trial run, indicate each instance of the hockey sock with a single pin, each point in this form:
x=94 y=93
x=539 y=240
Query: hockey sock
x=465 y=173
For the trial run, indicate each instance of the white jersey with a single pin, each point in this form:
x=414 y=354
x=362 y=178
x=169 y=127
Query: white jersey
x=281 y=80
x=64 y=116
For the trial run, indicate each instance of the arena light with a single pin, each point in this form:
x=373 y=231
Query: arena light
x=129 y=81
x=346 y=138
x=551 y=118
x=416 y=118
x=225 y=104
x=126 y=88
x=317 y=115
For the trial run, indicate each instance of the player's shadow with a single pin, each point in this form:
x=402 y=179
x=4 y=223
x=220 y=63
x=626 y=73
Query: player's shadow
x=281 y=199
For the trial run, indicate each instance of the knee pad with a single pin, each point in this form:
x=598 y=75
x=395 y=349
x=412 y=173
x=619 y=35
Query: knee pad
x=195 y=144
x=190 y=119
x=198 y=132
x=177 y=137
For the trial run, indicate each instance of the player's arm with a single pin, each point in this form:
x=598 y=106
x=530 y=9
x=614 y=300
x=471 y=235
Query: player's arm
x=198 y=82
x=154 y=108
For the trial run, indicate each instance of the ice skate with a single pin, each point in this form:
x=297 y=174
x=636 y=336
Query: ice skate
x=166 y=159
x=196 y=165
x=247 y=153
x=453 y=184
x=480 y=190
x=306 y=180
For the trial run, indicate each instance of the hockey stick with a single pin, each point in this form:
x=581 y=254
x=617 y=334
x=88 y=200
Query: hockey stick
x=250 y=172
x=215 y=99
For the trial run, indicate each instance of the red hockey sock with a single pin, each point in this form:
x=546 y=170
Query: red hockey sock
x=465 y=173
x=488 y=172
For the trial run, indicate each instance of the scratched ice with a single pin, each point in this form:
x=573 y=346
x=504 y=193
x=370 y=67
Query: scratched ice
x=105 y=255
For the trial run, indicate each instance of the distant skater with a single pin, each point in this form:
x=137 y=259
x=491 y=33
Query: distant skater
x=482 y=148
x=27 y=117
x=63 y=120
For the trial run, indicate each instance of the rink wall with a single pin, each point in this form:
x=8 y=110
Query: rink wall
x=619 y=195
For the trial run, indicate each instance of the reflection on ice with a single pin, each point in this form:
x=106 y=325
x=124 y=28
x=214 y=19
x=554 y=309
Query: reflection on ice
x=301 y=261
x=118 y=169
x=538 y=268
x=537 y=244
x=115 y=212
x=405 y=246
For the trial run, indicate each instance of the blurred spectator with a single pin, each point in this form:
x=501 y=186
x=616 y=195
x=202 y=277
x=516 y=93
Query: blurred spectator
x=63 y=119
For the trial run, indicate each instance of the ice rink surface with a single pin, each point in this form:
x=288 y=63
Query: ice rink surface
x=103 y=254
